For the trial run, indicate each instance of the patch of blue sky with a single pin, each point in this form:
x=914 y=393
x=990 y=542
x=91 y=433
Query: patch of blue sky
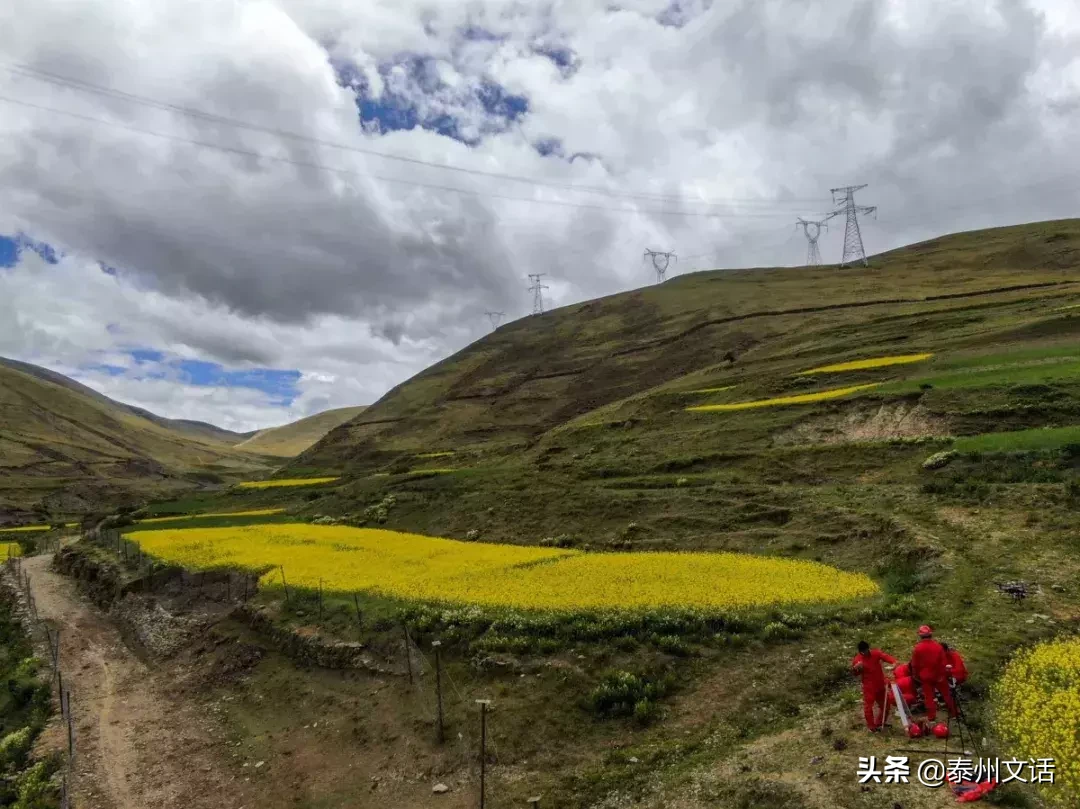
x=410 y=77
x=146 y=355
x=11 y=248
x=280 y=385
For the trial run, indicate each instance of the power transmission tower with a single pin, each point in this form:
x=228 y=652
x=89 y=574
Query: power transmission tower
x=495 y=318
x=537 y=289
x=813 y=254
x=660 y=260
x=853 y=246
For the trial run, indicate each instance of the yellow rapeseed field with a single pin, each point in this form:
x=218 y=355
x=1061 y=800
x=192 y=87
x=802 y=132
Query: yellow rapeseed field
x=863 y=365
x=273 y=484
x=1038 y=711
x=423 y=568
x=258 y=512
x=712 y=390
x=802 y=398
x=24 y=528
x=9 y=549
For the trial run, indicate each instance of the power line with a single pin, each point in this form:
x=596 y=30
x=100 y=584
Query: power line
x=380 y=178
x=853 y=245
x=83 y=86
x=537 y=289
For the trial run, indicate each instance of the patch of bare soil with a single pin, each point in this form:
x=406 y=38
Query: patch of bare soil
x=862 y=423
x=136 y=746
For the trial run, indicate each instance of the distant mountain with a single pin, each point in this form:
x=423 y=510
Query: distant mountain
x=197 y=429
x=290 y=440
x=66 y=449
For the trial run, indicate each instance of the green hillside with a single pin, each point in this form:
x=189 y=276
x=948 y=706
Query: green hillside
x=630 y=359
x=64 y=452
x=292 y=439
x=196 y=429
x=940 y=460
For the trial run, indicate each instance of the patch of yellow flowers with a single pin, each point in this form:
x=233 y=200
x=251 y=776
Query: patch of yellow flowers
x=421 y=568
x=864 y=365
x=24 y=528
x=273 y=484
x=257 y=512
x=1038 y=712
x=802 y=398
x=9 y=549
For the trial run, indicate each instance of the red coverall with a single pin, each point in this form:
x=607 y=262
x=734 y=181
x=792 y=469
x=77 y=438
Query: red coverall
x=873 y=684
x=928 y=662
x=959 y=670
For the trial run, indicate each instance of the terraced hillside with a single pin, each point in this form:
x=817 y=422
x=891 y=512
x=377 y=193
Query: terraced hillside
x=914 y=425
x=64 y=452
x=632 y=356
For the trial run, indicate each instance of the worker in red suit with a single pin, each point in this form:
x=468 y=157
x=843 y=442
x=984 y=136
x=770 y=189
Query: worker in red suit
x=928 y=661
x=954 y=664
x=867 y=664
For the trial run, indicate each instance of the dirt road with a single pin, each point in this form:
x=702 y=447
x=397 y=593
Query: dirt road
x=136 y=747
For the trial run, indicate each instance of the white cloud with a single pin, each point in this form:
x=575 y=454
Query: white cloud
x=958 y=115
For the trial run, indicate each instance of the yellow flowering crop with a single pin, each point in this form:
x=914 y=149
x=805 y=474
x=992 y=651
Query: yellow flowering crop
x=712 y=390
x=802 y=398
x=9 y=549
x=258 y=512
x=273 y=484
x=863 y=365
x=24 y=528
x=422 y=568
x=1038 y=712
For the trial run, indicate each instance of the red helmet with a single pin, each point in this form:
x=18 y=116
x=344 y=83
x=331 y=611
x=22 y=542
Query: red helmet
x=902 y=671
x=925 y=631
x=941 y=730
x=914 y=731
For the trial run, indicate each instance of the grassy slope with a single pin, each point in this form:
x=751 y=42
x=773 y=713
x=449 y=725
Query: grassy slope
x=290 y=440
x=198 y=430
x=575 y=424
x=71 y=452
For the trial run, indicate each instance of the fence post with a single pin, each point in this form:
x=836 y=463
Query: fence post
x=483 y=703
x=284 y=583
x=408 y=652
x=359 y=616
x=320 y=599
x=435 y=644
x=71 y=729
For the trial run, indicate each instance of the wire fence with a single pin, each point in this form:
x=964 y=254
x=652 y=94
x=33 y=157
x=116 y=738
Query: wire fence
x=447 y=710
x=42 y=634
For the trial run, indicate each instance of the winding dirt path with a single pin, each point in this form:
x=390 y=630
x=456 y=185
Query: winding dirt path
x=135 y=746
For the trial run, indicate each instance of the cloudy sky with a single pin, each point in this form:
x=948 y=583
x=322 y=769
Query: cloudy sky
x=245 y=212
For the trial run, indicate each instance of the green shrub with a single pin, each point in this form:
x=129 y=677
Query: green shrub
x=623 y=693
x=34 y=788
x=940 y=459
x=15 y=748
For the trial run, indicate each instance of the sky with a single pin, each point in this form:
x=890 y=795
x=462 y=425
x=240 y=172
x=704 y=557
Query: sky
x=248 y=212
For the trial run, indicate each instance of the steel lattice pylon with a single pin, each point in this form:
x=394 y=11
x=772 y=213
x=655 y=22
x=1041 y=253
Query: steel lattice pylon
x=853 y=245
x=813 y=252
x=537 y=289
x=661 y=260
